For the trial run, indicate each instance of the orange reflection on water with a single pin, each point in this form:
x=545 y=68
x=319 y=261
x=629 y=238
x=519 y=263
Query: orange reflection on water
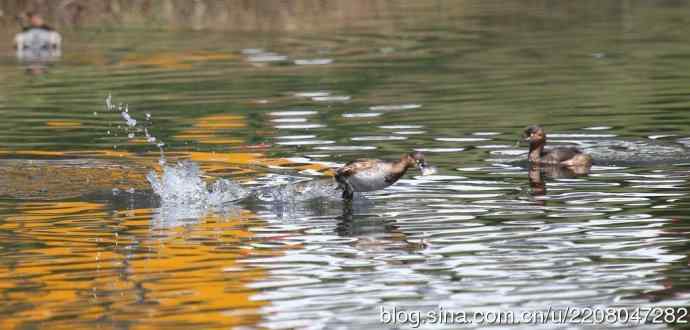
x=41 y=275
x=105 y=268
x=175 y=60
x=214 y=130
x=31 y=153
x=286 y=163
x=63 y=123
x=192 y=286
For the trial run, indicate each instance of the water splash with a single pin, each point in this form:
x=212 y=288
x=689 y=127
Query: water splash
x=182 y=184
x=635 y=152
x=605 y=150
x=185 y=197
x=283 y=189
x=131 y=122
x=429 y=170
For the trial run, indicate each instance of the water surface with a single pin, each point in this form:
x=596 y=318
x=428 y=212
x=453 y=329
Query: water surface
x=85 y=243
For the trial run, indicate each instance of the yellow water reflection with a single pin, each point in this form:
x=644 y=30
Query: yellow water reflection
x=175 y=60
x=80 y=260
x=63 y=123
x=191 y=284
x=213 y=130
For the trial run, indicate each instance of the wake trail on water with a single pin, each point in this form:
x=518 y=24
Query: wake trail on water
x=182 y=183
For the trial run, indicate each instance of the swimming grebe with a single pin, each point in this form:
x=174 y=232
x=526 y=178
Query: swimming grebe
x=566 y=156
x=374 y=174
x=38 y=42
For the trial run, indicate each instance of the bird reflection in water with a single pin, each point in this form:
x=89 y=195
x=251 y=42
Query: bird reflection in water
x=537 y=173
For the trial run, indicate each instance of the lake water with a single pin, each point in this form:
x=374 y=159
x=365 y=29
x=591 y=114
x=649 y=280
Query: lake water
x=85 y=243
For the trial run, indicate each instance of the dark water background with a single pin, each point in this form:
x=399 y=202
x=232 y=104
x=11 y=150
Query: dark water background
x=457 y=79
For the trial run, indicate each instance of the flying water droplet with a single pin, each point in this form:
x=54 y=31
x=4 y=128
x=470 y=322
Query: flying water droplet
x=109 y=102
x=131 y=124
x=429 y=170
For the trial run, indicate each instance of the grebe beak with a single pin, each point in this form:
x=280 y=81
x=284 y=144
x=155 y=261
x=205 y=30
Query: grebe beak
x=425 y=168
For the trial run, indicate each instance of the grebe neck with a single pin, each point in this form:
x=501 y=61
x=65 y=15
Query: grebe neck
x=535 y=151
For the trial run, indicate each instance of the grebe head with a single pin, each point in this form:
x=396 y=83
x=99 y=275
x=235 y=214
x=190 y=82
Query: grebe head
x=35 y=19
x=535 y=134
x=417 y=160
